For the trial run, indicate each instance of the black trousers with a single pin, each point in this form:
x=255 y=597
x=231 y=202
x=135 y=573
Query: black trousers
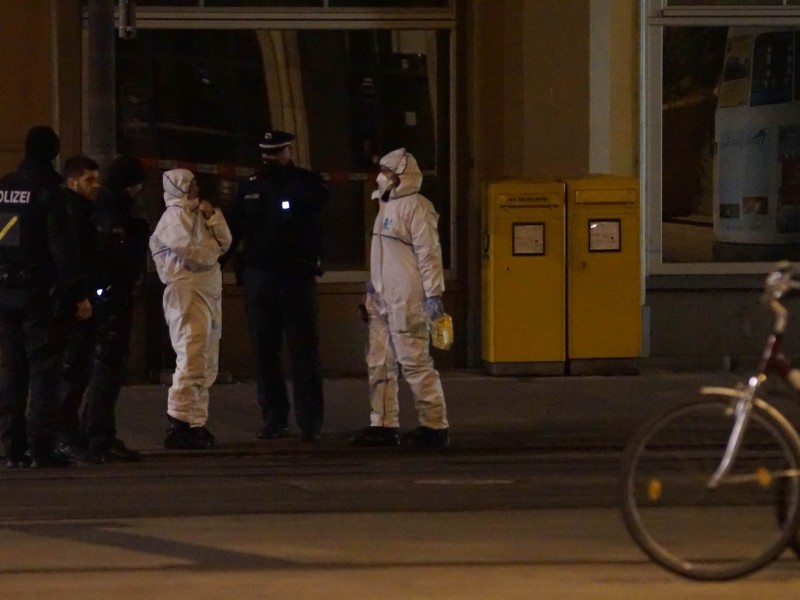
x=76 y=373
x=30 y=351
x=113 y=321
x=281 y=304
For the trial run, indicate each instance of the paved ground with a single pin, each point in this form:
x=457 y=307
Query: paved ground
x=484 y=555
x=264 y=519
x=484 y=411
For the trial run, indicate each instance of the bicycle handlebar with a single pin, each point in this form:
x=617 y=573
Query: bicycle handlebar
x=778 y=283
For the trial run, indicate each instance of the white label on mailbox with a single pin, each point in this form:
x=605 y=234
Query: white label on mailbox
x=528 y=239
x=604 y=236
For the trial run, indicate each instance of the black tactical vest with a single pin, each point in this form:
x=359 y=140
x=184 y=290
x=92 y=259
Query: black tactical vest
x=23 y=229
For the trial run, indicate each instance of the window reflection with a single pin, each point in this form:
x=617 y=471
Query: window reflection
x=699 y=3
x=297 y=3
x=203 y=98
x=731 y=125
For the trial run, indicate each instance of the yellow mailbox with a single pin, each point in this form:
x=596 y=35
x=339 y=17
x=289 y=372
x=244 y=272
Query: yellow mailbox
x=604 y=301
x=522 y=276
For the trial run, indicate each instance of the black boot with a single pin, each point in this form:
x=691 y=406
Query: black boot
x=45 y=456
x=426 y=437
x=206 y=435
x=377 y=436
x=18 y=461
x=117 y=452
x=182 y=436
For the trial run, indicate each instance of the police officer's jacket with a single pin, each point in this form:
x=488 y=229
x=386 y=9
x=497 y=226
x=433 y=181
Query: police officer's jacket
x=278 y=216
x=122 y=241
x=79 y=213
x=35 y=250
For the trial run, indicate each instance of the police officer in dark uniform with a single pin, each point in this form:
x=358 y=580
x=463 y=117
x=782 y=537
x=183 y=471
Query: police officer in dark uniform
x=277 y=216
x=123 y=246
x=36 y=264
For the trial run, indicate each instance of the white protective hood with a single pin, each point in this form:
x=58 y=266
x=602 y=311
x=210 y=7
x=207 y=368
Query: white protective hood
x=176 y=184
x=403 y=164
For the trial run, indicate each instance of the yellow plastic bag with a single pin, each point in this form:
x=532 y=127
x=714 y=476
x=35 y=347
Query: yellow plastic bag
x=442 y=332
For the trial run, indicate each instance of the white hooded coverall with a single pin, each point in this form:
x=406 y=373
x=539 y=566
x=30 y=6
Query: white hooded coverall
x=405 y=268
x=186 y=247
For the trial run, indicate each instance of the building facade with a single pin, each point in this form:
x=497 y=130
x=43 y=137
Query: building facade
x=479 y=91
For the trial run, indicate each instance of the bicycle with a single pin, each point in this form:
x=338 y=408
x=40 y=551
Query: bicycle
x=709 y=487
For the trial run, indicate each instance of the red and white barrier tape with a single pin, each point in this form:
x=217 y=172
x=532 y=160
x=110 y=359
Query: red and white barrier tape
x=232 y=171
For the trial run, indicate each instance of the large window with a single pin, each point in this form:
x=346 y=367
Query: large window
x=298 y=3
x=723 y=101
x=729 y=3
x=203 y=98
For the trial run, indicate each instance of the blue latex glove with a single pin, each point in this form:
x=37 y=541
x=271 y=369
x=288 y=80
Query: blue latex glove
x=370 y=287
x=434 y=307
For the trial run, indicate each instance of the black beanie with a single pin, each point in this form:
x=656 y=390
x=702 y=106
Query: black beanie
x=42 y=144
x=124 y=172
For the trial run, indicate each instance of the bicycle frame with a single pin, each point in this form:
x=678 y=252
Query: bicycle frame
x=773 y=360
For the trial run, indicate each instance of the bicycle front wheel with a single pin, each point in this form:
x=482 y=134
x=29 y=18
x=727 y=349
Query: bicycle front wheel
x=694 y=530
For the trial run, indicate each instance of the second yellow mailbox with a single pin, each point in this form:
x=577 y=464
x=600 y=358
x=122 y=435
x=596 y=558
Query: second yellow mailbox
x=604 y=287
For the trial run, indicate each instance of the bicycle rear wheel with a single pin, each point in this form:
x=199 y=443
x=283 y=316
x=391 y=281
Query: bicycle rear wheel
x=696 y=531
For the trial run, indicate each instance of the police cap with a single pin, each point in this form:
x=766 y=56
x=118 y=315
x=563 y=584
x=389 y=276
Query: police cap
x=275 y=140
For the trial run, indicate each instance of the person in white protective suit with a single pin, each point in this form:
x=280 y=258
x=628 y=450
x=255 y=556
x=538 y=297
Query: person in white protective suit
x=188 y=241
x=404 y=295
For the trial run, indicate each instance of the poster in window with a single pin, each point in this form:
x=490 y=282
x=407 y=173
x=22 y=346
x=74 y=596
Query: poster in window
x=735 y=87
x=528 y=239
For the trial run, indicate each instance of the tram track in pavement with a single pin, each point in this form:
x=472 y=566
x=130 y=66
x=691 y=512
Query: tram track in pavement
x=311 y=481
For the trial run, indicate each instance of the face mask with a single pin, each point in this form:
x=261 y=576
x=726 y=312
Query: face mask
x=384 y=183
x=191 y=203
